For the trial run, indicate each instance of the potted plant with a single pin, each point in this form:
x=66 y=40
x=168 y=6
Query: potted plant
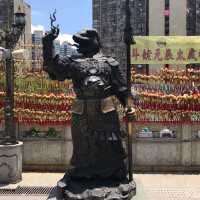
x=33 y=132
x=52 y=133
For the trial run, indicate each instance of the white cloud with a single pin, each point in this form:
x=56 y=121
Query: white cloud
x=37 y=28
x=36 y=13
x=65 y=37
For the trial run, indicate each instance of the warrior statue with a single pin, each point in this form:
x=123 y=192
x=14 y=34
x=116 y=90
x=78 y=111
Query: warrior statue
x=98 y=153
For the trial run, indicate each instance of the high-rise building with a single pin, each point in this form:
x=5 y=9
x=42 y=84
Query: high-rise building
x=148 y=17
x=57 y=46
x=26 y=38
x=6 y=14
x=66 y=49
x=193 y=17
x=37 y=53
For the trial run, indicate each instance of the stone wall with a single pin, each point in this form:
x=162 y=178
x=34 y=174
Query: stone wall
x=46 y=154
x=180 y=154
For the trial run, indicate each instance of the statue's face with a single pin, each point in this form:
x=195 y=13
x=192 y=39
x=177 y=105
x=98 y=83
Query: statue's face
x=87 y=42
x=90 y=47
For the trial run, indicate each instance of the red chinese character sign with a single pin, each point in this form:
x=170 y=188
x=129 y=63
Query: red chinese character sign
x=165 y=50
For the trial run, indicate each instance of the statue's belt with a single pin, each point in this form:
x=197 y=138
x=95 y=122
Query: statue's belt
x=106 y=105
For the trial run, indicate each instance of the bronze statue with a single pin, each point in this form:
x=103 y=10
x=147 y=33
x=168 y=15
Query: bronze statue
x=98 y=154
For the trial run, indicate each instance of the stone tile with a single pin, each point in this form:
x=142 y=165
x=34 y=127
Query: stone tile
x=149 y=186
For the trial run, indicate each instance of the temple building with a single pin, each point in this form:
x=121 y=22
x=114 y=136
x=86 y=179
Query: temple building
x=8 y=8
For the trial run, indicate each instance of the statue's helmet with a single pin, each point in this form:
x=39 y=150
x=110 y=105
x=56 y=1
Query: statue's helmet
x=87 y=42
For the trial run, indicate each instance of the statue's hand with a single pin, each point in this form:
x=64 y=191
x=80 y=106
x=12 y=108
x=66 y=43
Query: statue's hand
x=51 y=35
x=130 y=114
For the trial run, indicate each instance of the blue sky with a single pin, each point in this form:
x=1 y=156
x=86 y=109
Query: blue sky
x=72 y=15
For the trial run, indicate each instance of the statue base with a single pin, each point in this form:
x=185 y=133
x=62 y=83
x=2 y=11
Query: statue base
x=95 y=189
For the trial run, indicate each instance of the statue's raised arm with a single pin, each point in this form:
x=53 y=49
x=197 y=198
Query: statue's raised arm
x=57 y=68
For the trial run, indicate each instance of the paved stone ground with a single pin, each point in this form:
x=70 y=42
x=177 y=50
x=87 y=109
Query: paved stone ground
x=167 y=187
x=149 y=186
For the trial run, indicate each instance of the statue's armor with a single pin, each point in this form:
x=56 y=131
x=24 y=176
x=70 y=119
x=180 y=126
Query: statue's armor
x=93 y=83
x=93 y=80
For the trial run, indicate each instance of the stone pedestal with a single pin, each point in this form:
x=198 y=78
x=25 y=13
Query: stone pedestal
x=11 y=163
x=95 y=189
